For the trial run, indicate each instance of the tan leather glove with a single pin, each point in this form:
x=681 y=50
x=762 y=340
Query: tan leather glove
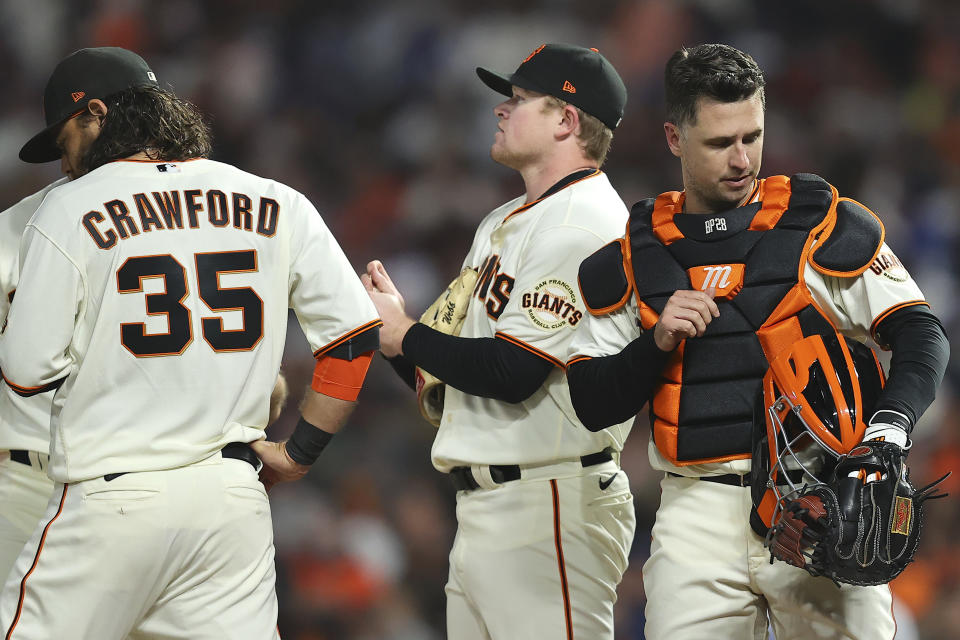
x=445 y=315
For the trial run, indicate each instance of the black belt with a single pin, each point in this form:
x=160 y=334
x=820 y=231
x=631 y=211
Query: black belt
x=20 y=455
x=463 y=480
x=235 y=450
x=736 y=480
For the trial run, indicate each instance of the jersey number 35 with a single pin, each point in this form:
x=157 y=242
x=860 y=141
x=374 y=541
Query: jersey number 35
x=169 y=303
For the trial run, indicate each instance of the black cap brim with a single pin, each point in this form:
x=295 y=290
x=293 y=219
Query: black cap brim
x=505 y=84
x=43 y=146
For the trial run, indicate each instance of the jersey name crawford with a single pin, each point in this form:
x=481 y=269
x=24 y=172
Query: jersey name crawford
x=167 y=210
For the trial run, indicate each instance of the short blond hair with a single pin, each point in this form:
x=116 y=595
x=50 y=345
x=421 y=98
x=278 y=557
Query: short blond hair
x=595 y=137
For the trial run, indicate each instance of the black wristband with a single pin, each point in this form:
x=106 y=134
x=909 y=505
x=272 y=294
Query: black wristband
x=307 y=442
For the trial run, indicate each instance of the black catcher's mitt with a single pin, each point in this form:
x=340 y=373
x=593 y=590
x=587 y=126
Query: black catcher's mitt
x=862 y=527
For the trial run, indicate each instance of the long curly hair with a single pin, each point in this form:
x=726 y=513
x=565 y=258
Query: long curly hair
x=150 y=120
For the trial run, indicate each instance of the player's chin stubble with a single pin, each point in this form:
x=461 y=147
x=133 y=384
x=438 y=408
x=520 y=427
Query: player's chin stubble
x=510 y=159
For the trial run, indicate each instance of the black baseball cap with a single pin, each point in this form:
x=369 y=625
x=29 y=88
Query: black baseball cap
x=577 y=75
x=83 y=76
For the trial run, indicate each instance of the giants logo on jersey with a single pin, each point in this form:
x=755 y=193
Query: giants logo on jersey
x=725 y=279
x=551 y=304
x=887 y=265
x=495 y=285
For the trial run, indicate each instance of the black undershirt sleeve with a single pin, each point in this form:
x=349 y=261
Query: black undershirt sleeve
x=609 y=390
x=405 y=369
x=920 y=352
x=485 y=367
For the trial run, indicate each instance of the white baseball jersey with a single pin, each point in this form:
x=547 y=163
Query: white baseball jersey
x=528 y=256
x=154 y=298
x=854 y=305
x=24 y=422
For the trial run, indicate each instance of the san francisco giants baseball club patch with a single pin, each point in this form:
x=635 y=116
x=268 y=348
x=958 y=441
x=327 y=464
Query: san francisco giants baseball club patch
x=887 y=265
x=901 y=516
x=551 y=304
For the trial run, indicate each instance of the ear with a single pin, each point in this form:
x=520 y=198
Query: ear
x=673 y=135
x=569 y=121
x=97 y=107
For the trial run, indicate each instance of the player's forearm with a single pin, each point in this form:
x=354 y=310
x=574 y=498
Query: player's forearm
x=485 y=367
x=612 y=389
x=325 y=412
x=920 y=352
x=405 y=369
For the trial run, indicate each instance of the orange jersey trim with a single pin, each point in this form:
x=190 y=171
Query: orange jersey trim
x=883 y=316
x=576 y=359
x=524 y=207
x=523 y=345
x=561 y=564
x=26 y=392
x=341 y=379
x=36 y=560
x=148 y=161
x=350 y=334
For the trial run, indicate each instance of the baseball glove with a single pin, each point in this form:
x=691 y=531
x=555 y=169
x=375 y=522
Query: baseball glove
x=862 y=527
x=445 y=315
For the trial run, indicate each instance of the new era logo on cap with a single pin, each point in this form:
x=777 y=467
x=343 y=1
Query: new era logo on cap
x=578 y=75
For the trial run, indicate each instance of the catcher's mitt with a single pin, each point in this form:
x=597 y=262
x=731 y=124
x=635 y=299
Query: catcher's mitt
x=861 y=527
x=445 y=315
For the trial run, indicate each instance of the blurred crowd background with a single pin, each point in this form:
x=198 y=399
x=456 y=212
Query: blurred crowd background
x=372 y=108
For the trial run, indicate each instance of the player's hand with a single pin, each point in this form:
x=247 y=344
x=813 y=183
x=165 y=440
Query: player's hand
x=377 y=279
x=390 y=307
x=686 y=315
x=278 y=466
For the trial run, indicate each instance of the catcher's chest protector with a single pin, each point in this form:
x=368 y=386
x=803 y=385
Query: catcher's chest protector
x=704 y=408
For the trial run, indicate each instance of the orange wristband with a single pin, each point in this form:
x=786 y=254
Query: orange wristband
x=341 y=379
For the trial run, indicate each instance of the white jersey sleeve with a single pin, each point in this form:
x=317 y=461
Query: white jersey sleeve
x=12 y=223
x=856 y=305
x=24 y=421
x=545 y=308
x=606 y=334
x=33 y=349
x=325 y=292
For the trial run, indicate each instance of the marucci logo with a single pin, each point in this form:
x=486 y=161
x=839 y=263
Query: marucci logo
x=725 y=279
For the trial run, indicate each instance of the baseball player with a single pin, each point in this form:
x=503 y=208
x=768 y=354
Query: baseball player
x=686 y=310
x=152 y=301
x=545 y=515
x=24 y=422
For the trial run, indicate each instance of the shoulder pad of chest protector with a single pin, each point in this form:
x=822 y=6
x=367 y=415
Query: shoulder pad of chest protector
x=603 y=279
x=848 y=245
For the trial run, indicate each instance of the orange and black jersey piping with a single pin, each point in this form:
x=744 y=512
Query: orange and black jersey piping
x=352 y=344
x=487 y=367
x=26 y=392
x=563 y=183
